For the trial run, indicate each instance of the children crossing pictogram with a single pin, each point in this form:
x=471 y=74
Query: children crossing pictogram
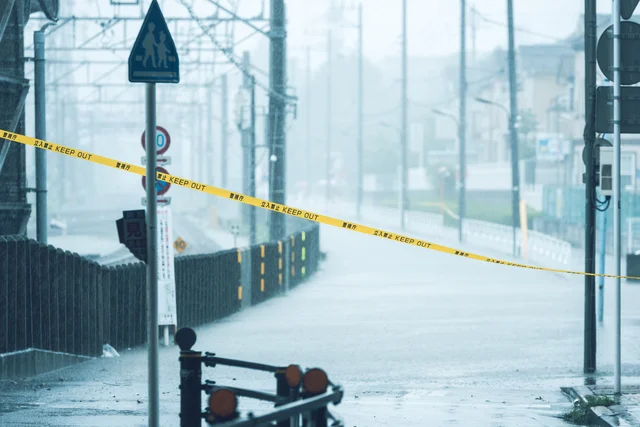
x=154 y=57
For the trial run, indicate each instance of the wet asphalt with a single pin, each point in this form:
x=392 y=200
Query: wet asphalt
x=417 y=338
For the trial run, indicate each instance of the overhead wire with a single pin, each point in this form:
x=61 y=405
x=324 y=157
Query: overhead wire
x=230 y=57
x=518 y=29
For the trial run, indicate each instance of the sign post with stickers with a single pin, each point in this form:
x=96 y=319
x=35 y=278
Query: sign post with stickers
x=167 y=317
x=153 y=59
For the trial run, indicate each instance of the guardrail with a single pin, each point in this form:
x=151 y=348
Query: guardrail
x=58 y=301
x=541 y=248
x=299 y=396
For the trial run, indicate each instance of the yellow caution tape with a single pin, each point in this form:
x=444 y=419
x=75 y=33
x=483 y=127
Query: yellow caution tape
x=287 y=210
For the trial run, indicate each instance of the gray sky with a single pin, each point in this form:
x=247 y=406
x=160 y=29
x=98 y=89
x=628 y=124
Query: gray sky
x=434 y=24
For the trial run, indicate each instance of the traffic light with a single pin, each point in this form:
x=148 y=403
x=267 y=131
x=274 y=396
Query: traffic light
x=627 y=7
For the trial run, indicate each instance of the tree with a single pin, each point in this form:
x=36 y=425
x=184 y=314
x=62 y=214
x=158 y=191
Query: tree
x=527 y=127
x=382 y=157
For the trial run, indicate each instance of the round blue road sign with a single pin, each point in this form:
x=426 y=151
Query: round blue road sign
x=161 y=186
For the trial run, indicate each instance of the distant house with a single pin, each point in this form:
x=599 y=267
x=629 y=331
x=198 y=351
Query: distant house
x=545 y=78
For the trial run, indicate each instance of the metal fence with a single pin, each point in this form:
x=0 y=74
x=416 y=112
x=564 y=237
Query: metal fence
x=57 y=301
x=564 y=209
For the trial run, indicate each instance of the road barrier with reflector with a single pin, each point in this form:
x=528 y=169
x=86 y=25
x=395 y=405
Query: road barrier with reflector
x=301 y=397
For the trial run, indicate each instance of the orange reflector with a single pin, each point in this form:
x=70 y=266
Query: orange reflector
x=315 y=381
x=223 y=403
x=293 y=375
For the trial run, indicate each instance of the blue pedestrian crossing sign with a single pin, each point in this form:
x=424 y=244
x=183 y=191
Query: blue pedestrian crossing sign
x=154 y=57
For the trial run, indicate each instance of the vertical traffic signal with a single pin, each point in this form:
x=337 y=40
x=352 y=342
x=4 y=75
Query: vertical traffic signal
x=132 y=232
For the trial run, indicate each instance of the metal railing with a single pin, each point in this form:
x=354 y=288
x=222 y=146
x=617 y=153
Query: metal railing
x=300 y=398
x=541 y=248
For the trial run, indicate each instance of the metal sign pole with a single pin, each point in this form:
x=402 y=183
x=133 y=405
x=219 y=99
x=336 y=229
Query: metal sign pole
x=152 y=255
x=150 y=67
x=616 y=183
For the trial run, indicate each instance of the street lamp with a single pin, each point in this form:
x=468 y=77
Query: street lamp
x=495 y=104
x=515 y=185
x=442 y=113
x=462 y=173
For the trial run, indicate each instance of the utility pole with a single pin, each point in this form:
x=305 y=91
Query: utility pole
x=616 y=189
x=277 y=115
x=308 y=122
x=209 y=156
x=590 y=188
x=245 y=132
x=41 y=133
x=224 y=124
x=63 y=162
x=252 y=163
x=202 y=149
x=513 y=91
x=248 y=146
x=462 y=132
x=403 y=166
x=360 y=150
x=474 y=114
x=473 y=34
x=329 y=111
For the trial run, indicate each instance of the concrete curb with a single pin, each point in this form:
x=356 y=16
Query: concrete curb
x=601 y=415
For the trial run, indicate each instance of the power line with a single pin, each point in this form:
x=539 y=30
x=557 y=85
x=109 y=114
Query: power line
x=230 y=57
x=518 y=29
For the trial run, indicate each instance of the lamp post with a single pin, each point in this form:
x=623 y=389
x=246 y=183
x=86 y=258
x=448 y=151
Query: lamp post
x=515 y=185
x=462 y=174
